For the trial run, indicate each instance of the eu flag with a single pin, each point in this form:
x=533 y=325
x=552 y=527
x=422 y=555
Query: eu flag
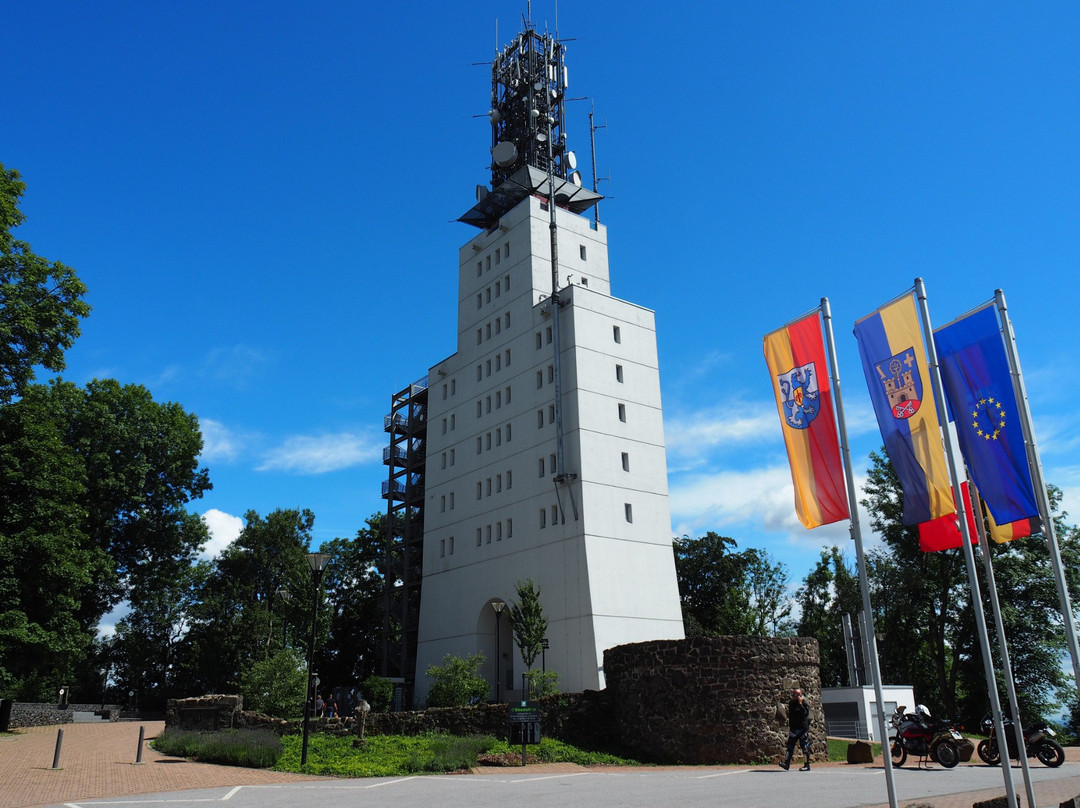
x=896 y=370
x=979 y=390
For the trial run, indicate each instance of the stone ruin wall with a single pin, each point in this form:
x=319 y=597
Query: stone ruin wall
x=713 y=699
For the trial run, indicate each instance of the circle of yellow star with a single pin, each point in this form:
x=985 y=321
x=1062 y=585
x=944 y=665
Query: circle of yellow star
x=994 y=412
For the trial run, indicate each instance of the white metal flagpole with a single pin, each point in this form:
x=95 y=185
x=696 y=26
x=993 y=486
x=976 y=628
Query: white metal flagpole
x=965 y=537
x=1039 y=482
x=860 y=558
x=999 y=627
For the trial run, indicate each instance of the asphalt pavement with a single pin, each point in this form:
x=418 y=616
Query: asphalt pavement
x=98 y=767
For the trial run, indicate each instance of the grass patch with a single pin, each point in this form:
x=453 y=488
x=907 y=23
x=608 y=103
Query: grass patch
x=838 y=750
x=397 y=755
x=253 y=749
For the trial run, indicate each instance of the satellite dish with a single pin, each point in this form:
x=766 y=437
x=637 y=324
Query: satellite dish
x=494 y=116
x=541 y=137
x=571 y=159
x=504 y=154
x=575 y=177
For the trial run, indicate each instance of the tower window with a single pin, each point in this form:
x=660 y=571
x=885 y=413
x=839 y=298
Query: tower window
x=487 y=369
x=498 y=288
x=479 y=489
x=509 y=528
x=539 y=341
x=451 y=500
x=551 y=373
x=498 y=531
x=487 y=530
x=498 y=483
x=506 y=278
x=626 y=461
x=618 y=373
x=479 y=372
x=506 y=249
x=444 y=459
x=498 y=362
x=551 y=413
x=479 y=444
x=548 y=335
x=539 y=379
x=508 y=433
x=628 y=508
x=479 y=408
x=543 y=518
x=539 y=419
x=509 y=478
x=479 y=335
x=497 y=256
x=444 y=426
x=506 y=355
x=487 y=295
x=479 y=300
x=507 y=395
x=453 y=421
x=479 y=535
x=442 y=547
x=451 y=545
x=622 y=413
x=488 y=404
x=442 y=503
x=479 y=268
x=582 y=249
x=552 y=464
x=617 y=333
x=487 y=330
x=554 y=514
x=541 y=467
x=453 y=452
x=487 y=262
x=498 y=399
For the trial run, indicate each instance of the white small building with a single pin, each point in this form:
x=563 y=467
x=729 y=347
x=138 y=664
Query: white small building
x=852 y=712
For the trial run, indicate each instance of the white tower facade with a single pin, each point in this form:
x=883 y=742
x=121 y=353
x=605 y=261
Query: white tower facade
x=545 y=450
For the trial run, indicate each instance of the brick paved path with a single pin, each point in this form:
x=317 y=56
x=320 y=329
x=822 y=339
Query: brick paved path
x=98 y=760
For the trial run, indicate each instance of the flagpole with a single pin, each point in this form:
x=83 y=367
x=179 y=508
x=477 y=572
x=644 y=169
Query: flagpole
x=965 y=534
x=1039 y=482
x=1003 y=647
x=860 y=558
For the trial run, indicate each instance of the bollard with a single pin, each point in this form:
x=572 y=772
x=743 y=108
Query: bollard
x=59 y=743
x=142 y=736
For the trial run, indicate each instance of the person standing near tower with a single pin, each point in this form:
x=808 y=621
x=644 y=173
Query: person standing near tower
x=798 y=712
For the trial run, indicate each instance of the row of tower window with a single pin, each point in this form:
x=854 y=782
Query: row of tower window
x=498 y=360
x=484 y=406
x=494 y=485
x=496 y=530
x=550 y=515
x=486 y=332
x=484 y=265
x=500 y=286
x=548 y=465
x=484 y=442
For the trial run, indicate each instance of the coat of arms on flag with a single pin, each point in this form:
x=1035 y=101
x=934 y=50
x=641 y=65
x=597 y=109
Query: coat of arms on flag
x=799 y=396
x=903 y=384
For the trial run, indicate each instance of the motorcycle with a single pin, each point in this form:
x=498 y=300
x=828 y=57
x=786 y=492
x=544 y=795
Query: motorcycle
x=919 y=734
x=1038 y=743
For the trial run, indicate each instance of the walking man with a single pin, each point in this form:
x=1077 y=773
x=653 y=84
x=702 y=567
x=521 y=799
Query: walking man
x=798 y=713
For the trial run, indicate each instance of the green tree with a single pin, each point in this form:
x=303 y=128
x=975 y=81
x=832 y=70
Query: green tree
x=923 y=609
x=233 y=616
x=528 y=622
x=41 y=302
x=770 y=599
x=830 y=590
x=354 y=599
x=457 y=682
x=93 y=484
x=275 y=685
x=710 y=575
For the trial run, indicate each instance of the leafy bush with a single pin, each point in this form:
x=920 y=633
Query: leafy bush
x=542 y=683
x=457 y=682
x=254 y=749
x=379 y=693
x=382 y=755
x=276 y=685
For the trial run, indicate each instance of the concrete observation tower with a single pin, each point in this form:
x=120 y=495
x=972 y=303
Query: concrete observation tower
x=536 y=449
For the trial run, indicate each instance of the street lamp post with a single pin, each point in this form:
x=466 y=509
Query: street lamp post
x=498 y=606
x=317 y=562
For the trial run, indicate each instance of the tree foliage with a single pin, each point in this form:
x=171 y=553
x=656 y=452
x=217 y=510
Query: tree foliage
x=829 y=591
x=41 y=302
x=726 y=592
x=923 y=612
x=457 y=682
x=275 y=685
x=528 y=622
x=93 y=487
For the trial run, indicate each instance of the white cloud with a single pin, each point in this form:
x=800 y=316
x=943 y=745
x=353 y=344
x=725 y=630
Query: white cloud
x=689 y=437
x=219 y=442
x=224 y=529
x=318 y=454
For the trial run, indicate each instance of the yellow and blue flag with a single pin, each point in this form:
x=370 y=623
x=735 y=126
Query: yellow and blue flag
x=979 y=390
x=897 y=375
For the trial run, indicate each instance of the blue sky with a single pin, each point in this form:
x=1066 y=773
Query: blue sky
x=262 y=199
